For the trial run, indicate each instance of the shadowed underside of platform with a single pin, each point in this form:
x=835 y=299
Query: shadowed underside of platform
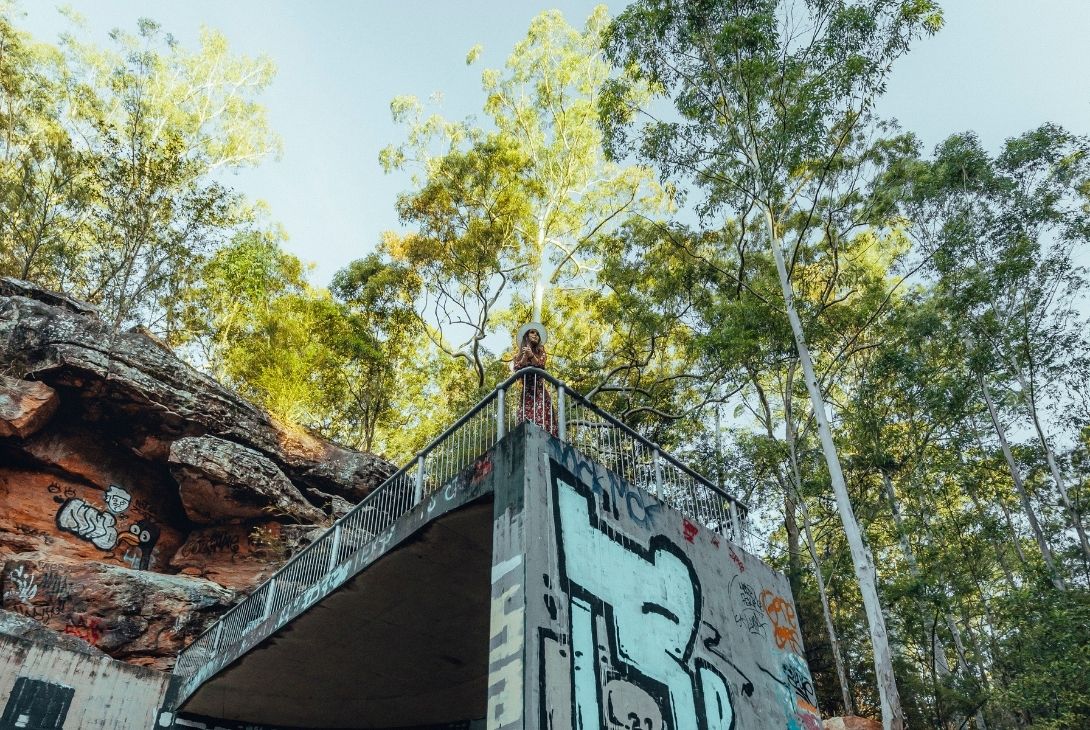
x=404 y=643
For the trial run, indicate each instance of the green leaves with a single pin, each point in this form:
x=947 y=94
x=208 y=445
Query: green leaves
x=107 y=188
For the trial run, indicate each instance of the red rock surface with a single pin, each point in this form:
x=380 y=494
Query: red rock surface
x=138 y=497
x=136 y=615
x=25 y=406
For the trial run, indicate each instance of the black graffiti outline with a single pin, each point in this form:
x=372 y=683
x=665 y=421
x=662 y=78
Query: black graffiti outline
x=788 y=686
x=710 y=645
x=619 y=490
x=620 y=665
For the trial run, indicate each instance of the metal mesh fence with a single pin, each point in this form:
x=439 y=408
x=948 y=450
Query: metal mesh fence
x=530 y=396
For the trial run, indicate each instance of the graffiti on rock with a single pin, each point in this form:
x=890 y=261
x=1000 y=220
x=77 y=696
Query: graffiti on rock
x=631 y=640
x=24 y=586
x=92 y=524
x=145 y=533
x=38 y=595
x=210 y=543
x=99 y=526
x=88 y=628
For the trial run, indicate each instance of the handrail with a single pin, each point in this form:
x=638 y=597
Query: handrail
x=432 y=445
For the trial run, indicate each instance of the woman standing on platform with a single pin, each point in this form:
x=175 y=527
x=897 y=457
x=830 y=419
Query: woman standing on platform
x=536 y=403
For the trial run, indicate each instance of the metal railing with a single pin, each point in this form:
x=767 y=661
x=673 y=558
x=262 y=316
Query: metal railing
x=529 y=395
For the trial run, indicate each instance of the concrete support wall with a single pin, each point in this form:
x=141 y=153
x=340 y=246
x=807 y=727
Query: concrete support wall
x=42 y=686
x=630 y=616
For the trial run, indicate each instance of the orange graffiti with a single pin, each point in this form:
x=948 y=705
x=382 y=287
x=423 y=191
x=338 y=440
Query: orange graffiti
x=782 y=614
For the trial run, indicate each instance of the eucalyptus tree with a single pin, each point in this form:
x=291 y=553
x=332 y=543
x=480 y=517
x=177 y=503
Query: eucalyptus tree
x=773 y=124
x=1004 y=231
x=511 y=208
x=46 y=181
x=110 y=187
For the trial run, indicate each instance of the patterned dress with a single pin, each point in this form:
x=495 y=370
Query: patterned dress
x=535 y=403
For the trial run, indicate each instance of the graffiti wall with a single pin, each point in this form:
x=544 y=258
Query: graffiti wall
x=119 y=523
x=52 y=688
x=637 y=618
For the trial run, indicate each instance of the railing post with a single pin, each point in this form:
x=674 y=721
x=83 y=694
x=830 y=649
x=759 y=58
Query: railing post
x=658 y=472
x=562 y=412
x=336 y=547
x=734 y=520
x=501 y=425
x=269 y=597
x=216 y=639
x=418 y=492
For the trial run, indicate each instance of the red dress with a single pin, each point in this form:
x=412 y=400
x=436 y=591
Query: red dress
x=536 y=403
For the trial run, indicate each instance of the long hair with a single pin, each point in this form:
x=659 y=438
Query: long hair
x=538 y=349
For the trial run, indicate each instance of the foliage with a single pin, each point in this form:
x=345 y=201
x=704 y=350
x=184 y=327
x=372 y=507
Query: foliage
x=109 y=169
x=937 y=297
x=504 y=213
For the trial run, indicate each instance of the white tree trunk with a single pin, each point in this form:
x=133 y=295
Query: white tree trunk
x=540 y=275
x=938 y=652
x=1019 y=486
x=796 y=475
x=862 y=561
x=1076 y=519
x=834 y=643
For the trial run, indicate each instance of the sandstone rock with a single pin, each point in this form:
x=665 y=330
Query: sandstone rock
x=10 y=287
x=221 y=481
x=139 y=616
x=241 y=556
x=131 y=382
x=19 y=626
x=96 y=542
x=851 y=722
x=53 y=498
x=25 y=406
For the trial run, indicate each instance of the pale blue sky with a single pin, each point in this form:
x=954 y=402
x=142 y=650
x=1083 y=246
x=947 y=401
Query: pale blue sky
x=999 y=67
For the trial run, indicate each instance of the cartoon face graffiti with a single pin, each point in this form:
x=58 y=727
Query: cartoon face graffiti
x=117 y=499
x=142 y=536
x=99 y=527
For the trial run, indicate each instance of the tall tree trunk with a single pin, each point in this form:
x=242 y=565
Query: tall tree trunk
x=1019 y=486
x=940 y=662
x=792 y=496
x=540 y=275
x=1016 y=539
x=1050 y=456
x=830 y=629
x=862 y=560
x=791 y=525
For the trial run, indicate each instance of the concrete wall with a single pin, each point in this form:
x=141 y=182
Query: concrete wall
x=611 y=611
x=42 y=686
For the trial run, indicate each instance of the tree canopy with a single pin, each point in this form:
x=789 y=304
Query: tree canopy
x=884 y=350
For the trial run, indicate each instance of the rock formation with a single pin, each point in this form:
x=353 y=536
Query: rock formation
x=138 y=497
